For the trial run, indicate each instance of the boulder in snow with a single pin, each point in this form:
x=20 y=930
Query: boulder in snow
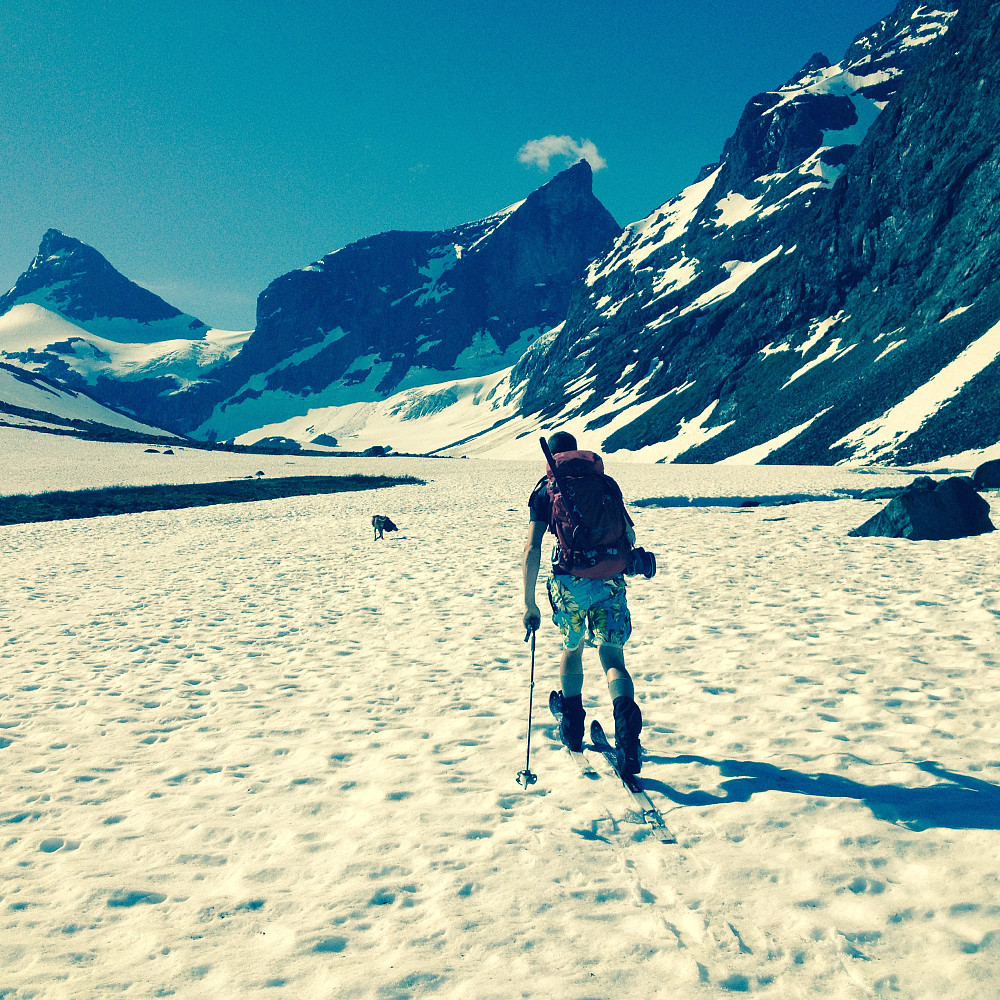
x=931 y=510
x=987 y=476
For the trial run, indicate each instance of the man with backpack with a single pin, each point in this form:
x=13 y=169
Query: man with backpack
x=584 y=509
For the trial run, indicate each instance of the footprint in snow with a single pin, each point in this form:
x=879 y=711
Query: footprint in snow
x=133 y=897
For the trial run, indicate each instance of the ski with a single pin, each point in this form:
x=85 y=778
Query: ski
x=579 y=757
x=650 y=814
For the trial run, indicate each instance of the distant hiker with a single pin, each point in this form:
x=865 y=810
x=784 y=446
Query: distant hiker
x=593 y=550
x=381 y=523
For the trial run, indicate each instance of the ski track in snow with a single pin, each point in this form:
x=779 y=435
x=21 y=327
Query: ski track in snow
x=248 y=752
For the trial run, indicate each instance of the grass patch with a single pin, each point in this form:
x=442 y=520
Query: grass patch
x=62 y=505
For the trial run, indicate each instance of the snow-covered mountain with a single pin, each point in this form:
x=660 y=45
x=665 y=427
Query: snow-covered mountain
x=827 y=290
x=38 y=402
x=74 y=317
x=736 y=323
x=387 y=313
x=406 y=309
x=823 y=293
x=73 y=280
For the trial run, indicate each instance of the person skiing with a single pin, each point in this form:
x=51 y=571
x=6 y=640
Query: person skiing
x=587 y=586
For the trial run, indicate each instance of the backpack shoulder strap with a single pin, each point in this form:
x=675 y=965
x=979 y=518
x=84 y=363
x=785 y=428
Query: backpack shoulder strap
x=567 y=495
x=618 y=493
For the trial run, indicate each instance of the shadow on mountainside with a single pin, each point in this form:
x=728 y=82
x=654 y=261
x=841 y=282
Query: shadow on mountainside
x=957 y=802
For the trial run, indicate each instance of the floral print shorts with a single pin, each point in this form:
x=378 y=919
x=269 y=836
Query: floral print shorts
x=590 y=609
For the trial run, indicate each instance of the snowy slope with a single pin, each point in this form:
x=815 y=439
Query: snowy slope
x=825 y=292
x=251 y=754
x=51 y=403
x=478 y=417
x=422 y=420
x=31 y=336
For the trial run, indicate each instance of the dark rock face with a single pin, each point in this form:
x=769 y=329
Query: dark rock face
x=278 y=443
x=776 y=135
x=411 y=308
x=987 y=476
x=792 y=304
x=927 y=510
x=75 y=281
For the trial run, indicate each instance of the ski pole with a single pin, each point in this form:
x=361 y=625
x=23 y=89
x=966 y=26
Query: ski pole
x=525 y=777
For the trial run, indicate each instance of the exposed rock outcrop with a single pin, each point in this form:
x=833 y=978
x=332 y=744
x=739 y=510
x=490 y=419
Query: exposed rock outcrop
x=803 y=301
x=413 y=308
x=929 y=510
x=987 y=476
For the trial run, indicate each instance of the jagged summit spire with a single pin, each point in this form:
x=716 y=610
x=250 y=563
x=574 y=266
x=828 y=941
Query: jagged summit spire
x=72 y=279
x=569 y=193
x=575 y=181
x=814 y=64
x=55 y=240
x=580 y=173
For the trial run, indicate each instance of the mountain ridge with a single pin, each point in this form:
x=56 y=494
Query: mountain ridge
x=822 y=293
x=402 y=308
x=670 y=329
x=73 y=279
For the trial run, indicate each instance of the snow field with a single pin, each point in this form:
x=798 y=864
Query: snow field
x=248 y=752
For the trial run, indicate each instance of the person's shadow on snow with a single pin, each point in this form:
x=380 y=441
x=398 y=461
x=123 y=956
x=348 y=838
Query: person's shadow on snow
x=958 y=802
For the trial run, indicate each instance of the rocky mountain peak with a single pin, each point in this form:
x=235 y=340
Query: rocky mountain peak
x=815 y=64
x=55 y=243
x=405 y=309
x=560 y=212
x=78 y=283
x=848 y=217
x=568 y=188
x=828 y=105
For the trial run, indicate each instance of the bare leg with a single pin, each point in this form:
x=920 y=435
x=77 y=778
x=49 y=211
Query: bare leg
x=618 y=678
x=571 y=671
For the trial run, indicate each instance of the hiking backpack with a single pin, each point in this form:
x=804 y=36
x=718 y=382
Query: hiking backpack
x=588 y=516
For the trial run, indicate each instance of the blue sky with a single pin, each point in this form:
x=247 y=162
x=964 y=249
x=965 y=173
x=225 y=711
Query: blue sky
x=206 y=148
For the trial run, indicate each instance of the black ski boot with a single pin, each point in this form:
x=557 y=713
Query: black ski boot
x=628 y=725
x=571 y=722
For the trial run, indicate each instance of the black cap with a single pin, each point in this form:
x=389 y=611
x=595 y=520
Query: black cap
x=561 y=441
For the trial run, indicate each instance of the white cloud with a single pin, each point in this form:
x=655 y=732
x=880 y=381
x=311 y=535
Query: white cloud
x=541 y=151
